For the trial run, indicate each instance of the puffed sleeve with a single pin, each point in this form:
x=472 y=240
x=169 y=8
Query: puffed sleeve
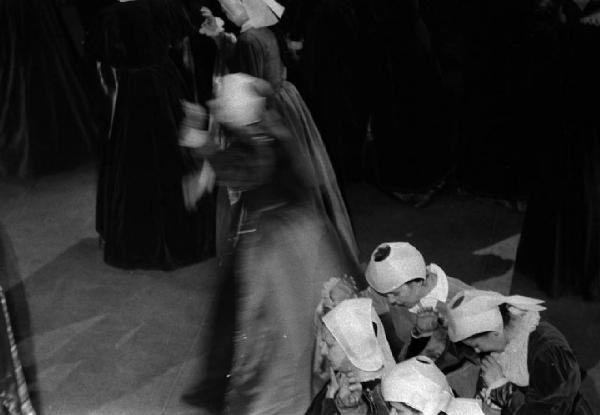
x=249 y=58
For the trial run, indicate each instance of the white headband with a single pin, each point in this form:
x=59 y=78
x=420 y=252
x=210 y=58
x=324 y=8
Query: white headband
x=394 y=264
x=351 y=324
x=471 y=312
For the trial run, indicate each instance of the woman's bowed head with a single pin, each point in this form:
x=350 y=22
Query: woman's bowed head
x=417 y=387
x=398 y=271
x=480 y=319
x=352 y=343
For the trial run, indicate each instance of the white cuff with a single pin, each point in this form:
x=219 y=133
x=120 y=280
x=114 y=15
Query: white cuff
x=498 y=383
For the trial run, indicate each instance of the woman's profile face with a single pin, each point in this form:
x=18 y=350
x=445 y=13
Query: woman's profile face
x=407 y=295
x=334 y=353
x=491 y=341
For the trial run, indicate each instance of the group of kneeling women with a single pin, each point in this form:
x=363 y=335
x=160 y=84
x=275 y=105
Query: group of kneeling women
x=419 y=342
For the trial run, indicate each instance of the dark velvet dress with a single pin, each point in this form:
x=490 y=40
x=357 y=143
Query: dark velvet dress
x=560 y=242
x=45 y=120
x=554 y=379
x=331 y=77
x=257 y=53
x=411 y=148
x=496 y=145
x=140 y=210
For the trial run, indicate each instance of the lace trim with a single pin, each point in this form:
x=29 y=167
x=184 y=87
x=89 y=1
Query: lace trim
x=513 y=359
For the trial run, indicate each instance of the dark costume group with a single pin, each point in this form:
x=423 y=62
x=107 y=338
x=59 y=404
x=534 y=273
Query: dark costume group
x=370 y=79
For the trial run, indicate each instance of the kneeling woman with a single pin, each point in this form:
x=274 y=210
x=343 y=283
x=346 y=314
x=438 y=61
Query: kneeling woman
x=358 y=355
x=528 y=367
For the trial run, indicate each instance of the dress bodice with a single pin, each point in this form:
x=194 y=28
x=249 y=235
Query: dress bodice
x=135 y=34
x=258 y=54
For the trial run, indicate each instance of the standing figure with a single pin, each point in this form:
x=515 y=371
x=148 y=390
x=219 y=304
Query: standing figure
x=411 y=147
x=332 y=77
x=284 y=248
x=560 y=241
x=258 y=52
x=140 y=210
x=45 y=120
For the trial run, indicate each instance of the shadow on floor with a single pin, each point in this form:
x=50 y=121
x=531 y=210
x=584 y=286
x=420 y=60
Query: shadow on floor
x=102 y=333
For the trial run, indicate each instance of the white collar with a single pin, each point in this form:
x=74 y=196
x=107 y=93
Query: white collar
x=439 y=293
x=247 y=25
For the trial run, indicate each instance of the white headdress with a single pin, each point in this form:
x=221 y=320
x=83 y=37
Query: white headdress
x=394 y=264
x=351 y=324
x=263 y=13
x=472 y=312
x=238 y=101
x=418 y=383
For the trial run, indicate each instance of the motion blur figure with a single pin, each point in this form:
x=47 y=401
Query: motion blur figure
x=284 y=248
x=259 y=51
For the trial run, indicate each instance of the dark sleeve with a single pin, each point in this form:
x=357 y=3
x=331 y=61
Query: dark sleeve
x=416 y=346
x=322 y=405
x=297 y=16
x=245 y=163
x=103 y=42
x=249 y=57
x=554 y=385
x=396 y=344
x=172 y=19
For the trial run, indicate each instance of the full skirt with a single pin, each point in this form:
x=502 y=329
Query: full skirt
x=140 y=210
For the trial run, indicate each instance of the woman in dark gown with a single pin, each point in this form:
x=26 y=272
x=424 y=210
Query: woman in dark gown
x=331 y=74
x=140 y=211
x=372 y=79
x=560 y=242
x=496 y=147
x=45 y=119
x=258 y=52
x=411 y=142
x=283 y=251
